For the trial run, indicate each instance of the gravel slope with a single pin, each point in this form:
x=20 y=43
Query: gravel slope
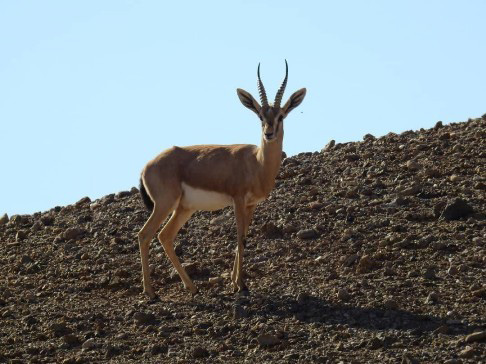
x=372 y=251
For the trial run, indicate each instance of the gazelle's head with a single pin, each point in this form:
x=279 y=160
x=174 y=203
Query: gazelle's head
x=272 y=116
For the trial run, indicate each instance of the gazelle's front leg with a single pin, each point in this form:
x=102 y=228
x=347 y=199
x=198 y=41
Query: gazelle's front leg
x=243 y=217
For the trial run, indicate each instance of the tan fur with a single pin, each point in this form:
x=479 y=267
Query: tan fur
x=244 y=174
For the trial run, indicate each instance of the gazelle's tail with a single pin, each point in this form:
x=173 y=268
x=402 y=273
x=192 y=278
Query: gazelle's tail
x=145 y=197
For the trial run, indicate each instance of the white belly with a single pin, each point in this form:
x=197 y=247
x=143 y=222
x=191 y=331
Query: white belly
x=199 y=199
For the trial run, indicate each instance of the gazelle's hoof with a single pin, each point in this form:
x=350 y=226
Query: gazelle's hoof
x=150 y=293
x=241 y=288
x=192 y=289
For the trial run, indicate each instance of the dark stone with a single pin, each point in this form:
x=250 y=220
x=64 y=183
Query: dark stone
x=239 y=312
x=47 y=220
x=200 y=352
x=308 y=234
x=123 y=194
x=84 y=201
x=159 y=349
x=143 y=318
x=457 y=209
x=60 y=329
x=272 y=231
x=71 y=340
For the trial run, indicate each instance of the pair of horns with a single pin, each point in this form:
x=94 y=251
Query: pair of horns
x=280 y=92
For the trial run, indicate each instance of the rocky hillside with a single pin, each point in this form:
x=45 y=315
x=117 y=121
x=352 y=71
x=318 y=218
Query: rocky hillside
x=373 y=251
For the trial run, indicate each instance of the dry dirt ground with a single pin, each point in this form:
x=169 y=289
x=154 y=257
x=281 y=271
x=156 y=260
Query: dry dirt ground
x=372 y=251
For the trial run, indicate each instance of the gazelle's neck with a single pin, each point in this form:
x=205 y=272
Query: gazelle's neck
x=270 y=157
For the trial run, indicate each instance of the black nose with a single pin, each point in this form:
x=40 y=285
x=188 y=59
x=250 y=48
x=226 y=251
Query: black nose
x=268 y=135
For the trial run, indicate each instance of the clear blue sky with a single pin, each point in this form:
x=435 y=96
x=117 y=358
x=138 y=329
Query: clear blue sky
x=91 y=90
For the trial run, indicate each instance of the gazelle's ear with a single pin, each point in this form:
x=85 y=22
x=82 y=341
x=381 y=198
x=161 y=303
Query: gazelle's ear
x=294 y=101
x=248 y=101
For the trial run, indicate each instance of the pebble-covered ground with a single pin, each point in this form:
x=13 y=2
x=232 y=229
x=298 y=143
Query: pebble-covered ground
x=372 y=251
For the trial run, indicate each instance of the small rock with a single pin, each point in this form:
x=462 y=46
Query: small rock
x=308 y=234
x=72 y=233
x=432 y=298
x=438 y=125
x=290 y=228
x=16 y=220
x=239 y=312
x=476 y=336
x=444 y=329
x=123 y=194
x=366 y=264
x=410 y=191
x=143 y=318
x=37 y=226
x=292 y=357
x=26 y=259
x=94 y=206
x=453 y=270
x=329 y=145
x=47 y=220
x=350 y=259
x=343 y=295
x=266 y=340
x=333 y=275
x=218 y=220
x=457 y=209
x=432 y=172
x=215 y=280
x=316 y=205
x=439 y=208
x=407 y=358
x=21 y=235
x=429 y=273
x=400 y=201
x=158 y=349
x=272 y=231
x=30 y=320
x=413 y=165
x=445 y=136
x=369 y=137
x=200 y=352
x=83 y=201
x=351 y=157
x=391 y=304
x=134 y=190
x=375 y=343
x=71 y=340
x=480 y=186
x=191 y=268
x=480 y=293
x=455 y=178
x=467 y=353
x=89 y=344
x=60 y=329
x=4 y=219
x=112 y=351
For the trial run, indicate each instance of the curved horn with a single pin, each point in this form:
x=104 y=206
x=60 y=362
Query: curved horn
x=261 y=89
x=281 y=90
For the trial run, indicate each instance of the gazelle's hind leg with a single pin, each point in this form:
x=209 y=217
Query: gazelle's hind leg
x=166 y=238
x=162 y=208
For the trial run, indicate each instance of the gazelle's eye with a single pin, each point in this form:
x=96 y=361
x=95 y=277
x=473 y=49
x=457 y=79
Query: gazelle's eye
x=280 y=118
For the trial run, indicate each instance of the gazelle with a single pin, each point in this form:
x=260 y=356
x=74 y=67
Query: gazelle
x=183 y=180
